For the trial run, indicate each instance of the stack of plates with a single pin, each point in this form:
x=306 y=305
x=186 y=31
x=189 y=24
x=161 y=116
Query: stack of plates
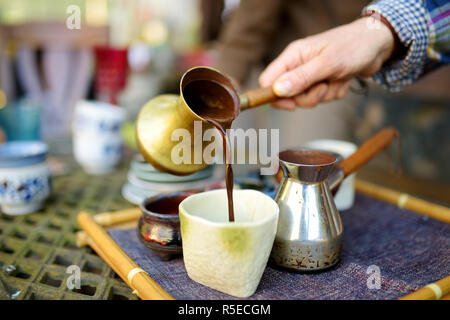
x=145 y=181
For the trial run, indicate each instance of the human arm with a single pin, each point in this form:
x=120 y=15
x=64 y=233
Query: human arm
x=421 y=29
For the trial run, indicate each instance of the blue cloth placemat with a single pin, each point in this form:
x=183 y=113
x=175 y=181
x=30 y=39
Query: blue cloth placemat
x=411 y=251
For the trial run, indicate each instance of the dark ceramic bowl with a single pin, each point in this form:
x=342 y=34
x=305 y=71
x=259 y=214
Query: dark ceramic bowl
x=159 y=227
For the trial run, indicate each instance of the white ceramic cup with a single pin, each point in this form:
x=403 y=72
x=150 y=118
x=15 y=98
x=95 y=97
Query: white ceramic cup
x=228 y=256
x=25 y=178
x=97 y=141
x=24 y=189
x=345 y=197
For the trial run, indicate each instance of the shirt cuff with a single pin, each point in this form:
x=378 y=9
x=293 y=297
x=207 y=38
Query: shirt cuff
x=409 y=20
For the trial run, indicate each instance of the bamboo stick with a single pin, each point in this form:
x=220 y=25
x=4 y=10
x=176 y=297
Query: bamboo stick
x=125 y=225
x=432 y=291
x=118 y=217
x=145 y=287
x=403 y=200
x=123 y=219
x=82 y=237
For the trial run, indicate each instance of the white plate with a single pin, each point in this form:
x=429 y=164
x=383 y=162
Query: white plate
x=168 y=187
x=142 y=165
x=157 y=176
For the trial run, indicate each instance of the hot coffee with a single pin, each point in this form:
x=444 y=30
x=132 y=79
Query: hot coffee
x=166 y=205
x=306 y=157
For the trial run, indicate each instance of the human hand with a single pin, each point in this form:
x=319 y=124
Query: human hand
x=319 y=68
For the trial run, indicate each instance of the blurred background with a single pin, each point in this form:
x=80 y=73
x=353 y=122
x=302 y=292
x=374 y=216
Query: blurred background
x=54 y=53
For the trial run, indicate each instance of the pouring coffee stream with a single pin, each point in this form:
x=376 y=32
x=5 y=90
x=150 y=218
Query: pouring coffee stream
x=214 y=102
x=209 y=100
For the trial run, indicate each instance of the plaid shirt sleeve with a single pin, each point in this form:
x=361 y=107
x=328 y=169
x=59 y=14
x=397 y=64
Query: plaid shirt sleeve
x=415 y=28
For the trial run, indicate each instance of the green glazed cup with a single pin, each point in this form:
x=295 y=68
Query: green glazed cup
x=228 y=256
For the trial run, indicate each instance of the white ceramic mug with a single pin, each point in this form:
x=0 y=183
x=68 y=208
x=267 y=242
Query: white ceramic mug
x=345 y=197
x=228 y=256
x=24 y=189
x=97 y=142
x=25 y=178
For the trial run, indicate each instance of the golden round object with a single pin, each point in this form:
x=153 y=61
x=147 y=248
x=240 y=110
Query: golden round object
x=155 y=124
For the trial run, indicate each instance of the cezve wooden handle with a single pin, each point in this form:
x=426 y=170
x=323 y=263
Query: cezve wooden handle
x=257 y=97
x=368 y=150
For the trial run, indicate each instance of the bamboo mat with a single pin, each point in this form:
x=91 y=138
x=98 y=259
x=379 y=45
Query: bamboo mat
x=374 y=230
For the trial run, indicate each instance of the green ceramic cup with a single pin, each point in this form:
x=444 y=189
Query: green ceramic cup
x=228 y=256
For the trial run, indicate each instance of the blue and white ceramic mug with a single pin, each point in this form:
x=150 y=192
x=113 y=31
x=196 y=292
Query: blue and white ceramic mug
x=25 y=178
x=97 y=142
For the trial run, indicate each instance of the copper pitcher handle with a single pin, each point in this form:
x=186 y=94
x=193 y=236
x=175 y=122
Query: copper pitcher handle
x=257 y=97
x=369 y=149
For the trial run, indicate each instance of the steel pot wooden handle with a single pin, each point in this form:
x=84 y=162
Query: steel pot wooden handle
x=368 y=150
